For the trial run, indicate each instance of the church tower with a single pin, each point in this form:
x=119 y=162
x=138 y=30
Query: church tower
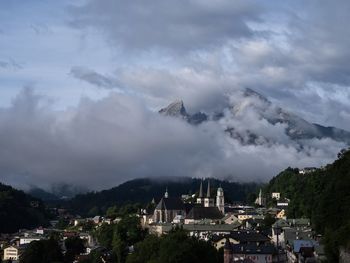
x=220 y=200
x=200 y=198
x=208 y=201
x=260 y=200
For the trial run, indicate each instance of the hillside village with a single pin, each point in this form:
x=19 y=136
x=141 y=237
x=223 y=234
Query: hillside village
x=240 y=232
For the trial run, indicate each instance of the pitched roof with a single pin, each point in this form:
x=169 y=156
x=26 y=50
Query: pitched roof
x=198 y=212
x=170 y=203
x=299 y=244
x=201 y=190
x=208 y=189
x=243 y=237
x=253 y=249
x=211 y=228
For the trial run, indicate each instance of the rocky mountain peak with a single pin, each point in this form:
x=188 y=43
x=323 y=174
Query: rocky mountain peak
x=176 y=109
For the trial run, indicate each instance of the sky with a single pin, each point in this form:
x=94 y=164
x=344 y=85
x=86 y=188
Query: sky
x=81 y=83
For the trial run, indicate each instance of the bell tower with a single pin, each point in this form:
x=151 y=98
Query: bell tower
x=220 y=200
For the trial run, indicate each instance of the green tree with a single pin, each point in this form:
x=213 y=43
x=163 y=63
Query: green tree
x=74 y=246
x=176 y=247
x=104 y=235
x=42 y=251
x=146 y=250
x=112 y=212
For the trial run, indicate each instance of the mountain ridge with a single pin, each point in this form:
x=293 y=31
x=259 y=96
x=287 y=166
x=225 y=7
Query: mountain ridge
x=296 y=128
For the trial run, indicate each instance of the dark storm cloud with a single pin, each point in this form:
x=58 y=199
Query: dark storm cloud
x=93 y=77
x=183 y=25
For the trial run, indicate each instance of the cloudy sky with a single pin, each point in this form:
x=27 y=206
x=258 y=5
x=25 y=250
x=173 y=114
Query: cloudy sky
x=81 y=82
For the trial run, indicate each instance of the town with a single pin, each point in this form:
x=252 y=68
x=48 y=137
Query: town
x=260 y=232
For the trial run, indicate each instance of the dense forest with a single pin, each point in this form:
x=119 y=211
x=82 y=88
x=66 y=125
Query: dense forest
x=144 y=190
x=19 y=210
x=323 y=196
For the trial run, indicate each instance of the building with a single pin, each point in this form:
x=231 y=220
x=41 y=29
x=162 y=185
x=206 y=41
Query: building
x=282 y=203
x=201 y=231
x=261 y=201
x=28 y=239
x=200 y=198
x=307 y=170
x=220 y=200
x=229 y=218
x=208 y=201
x=241 y=237
x=199 y=214
x=168 y=208
x=11 y=253
x=281 y=214
x=276 y=196
x=253 y=253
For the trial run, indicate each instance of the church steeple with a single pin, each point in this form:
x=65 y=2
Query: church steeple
x=208 y=190
x=166 y=195
x=208 y=201
x=200 y=198
x=201 y=190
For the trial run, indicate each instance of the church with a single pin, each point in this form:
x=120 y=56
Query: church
x=205 y=207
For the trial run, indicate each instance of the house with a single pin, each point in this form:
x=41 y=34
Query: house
x=301 y=251
x=199 y=213
x=249 y=215
x=40 y=231
x=250 y=252
x=252 y=223
x=97 y=219
x=240 y=237
x=229 y=218
x=11 y=253
x=282 y=203
x=202 y=231
x=284 y=232
x=307 y=170
x=28 y=239
x=281 y=214
x=206 y=231
x=276 y=195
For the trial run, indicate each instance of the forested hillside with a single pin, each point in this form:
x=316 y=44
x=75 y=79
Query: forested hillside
x=323 y=196
x=144 y=190
x=19 y=210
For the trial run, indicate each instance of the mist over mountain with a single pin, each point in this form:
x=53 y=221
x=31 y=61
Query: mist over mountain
x=105 y=142
x=247 y=102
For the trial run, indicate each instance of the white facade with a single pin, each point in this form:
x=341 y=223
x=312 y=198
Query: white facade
x=276 y=196
x=27 y=240
x=220 y=200
x=256 y=258
x=11 y=253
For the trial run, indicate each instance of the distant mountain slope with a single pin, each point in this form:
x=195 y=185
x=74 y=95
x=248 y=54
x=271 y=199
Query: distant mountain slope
x=19 y=210
x=144 y=190
x=42 y=194
x=246 y=103
x=323 y=196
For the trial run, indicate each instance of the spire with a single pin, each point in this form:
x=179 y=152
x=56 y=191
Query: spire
x=201 y=190
x=166 y=195
x=208 y=190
